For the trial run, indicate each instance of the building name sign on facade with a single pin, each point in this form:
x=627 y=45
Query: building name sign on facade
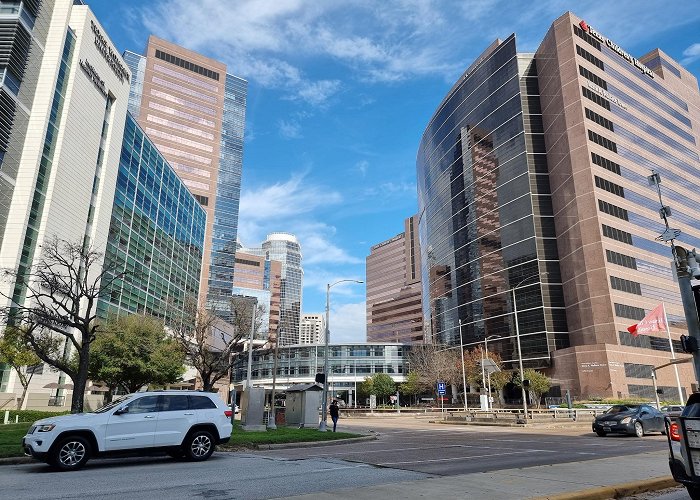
x=90 y=71
x=604 y=93
x=624 y=54
x=384 y=243
x=112 y=57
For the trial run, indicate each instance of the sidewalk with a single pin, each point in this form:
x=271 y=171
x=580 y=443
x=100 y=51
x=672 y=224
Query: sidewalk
x=530 y=482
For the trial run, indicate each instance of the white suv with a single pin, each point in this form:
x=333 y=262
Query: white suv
x=184 y=424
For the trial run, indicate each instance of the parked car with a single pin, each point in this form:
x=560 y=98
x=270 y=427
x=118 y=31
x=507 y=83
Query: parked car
x=681 y=467
x=672 y=410
x=183 y=424
x=637 y=420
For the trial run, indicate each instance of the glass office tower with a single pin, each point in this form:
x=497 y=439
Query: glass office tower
x=534 y=197
x=486 y=228
x=156 y=235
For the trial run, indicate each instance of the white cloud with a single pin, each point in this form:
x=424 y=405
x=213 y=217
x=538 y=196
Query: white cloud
x=362 y=167
x=289 y=129
x=294 y=206
x=691 y=54
x=386 y=41
x=391 y=188
x=348 y=323
x=279 y=201
x=317 y=93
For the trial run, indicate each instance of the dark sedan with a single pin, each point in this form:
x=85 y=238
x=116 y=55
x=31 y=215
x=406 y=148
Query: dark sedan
x=635 y=420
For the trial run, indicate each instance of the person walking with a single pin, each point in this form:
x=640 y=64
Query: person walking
x=335 y=412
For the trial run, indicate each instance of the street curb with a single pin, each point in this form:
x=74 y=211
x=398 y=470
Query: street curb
x=529 y=425
x=17 y=460
x=310 y=444
x=615 y=490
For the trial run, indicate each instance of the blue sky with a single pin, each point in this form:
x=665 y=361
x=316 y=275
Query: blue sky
x=340 y=93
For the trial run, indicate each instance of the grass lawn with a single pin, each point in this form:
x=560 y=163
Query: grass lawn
x=11 y=439
x=240 y=438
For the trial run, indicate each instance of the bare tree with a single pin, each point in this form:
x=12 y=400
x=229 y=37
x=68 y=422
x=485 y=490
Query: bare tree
x=58 y=313
x=435 y=363
x=210 y=343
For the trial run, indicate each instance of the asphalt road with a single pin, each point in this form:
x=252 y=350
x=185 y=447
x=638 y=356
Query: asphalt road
x=445 y=450
x=409 y=451
x=223 y=476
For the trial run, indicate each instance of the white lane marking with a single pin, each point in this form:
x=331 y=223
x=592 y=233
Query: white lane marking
x=467 y=458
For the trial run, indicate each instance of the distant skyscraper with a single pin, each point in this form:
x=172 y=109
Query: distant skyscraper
x=285 y=248
x=394 y=305
x=259 y=277
x=194 y=111
x=312 y=329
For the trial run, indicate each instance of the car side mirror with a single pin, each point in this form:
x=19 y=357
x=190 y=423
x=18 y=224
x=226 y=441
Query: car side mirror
x=122 y=410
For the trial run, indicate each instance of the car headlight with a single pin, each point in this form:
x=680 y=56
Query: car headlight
x=626 y=420
x=45 y=428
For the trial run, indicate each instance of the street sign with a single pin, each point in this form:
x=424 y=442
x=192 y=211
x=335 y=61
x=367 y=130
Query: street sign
x=441 y=389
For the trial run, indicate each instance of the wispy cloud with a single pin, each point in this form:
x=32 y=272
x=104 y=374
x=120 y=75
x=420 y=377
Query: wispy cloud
x=388 y=41
x=295 y=206
x=289 y=129
x=691 y=54
x=391 y=188
x=362 y=167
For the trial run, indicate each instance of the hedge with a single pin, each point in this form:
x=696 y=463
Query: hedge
x=29 y=415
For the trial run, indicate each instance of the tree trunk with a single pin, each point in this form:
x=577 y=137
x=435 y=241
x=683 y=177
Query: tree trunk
x=80 y=380
x=20 y=403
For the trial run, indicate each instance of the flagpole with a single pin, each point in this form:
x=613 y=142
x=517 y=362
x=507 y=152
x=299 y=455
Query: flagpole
x=673 y=355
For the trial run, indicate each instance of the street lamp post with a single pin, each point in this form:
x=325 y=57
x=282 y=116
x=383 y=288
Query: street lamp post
x=271 y=424
x=517 y=337
x=324 y=403
x=486 y=356
x=464 y=373
x=250 y=349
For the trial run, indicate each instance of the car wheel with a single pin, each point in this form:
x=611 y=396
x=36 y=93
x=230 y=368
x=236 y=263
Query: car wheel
x=71 y=453
x=199 y=446
x=601 y=433
x=638 y=429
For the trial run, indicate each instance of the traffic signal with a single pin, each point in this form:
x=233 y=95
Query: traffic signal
x=689 y=344
x=526 y=383
x=321 y=378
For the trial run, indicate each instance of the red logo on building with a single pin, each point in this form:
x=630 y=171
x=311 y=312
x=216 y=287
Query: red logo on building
x=584 y=26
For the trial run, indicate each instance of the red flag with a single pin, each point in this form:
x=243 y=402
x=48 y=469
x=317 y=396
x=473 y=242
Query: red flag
x=655 y=321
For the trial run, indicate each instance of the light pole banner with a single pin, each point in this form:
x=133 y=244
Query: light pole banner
x=655 y=321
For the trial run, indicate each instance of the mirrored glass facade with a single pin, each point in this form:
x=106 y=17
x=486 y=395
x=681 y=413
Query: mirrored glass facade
x=156 y=234
x=486 y=226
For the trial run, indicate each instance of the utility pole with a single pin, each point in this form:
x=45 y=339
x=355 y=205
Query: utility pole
x=687 y=267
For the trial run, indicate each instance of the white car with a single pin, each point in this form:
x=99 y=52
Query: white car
x=184 y=424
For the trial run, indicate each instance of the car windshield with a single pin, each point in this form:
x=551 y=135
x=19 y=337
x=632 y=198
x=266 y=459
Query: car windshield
x=619 y=409
x=112 y=404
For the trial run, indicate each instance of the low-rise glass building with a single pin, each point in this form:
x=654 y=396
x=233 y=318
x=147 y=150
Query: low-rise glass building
x=348 y=365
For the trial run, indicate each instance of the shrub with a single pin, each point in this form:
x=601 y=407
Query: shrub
x=29 y=415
